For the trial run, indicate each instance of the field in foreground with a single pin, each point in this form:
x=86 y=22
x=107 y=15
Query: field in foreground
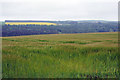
x=61 y=56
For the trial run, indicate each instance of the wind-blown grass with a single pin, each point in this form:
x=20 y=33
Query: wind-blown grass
x=58 y=56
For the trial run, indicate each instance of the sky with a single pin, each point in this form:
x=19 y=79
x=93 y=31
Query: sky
x=59 y=10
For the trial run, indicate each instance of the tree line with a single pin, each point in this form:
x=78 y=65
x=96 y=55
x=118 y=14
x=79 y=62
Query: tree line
x=85 y=27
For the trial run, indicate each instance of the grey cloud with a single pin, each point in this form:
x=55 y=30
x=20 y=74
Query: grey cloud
x=61 y=10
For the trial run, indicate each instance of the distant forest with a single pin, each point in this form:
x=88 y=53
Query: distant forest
x=62 y=27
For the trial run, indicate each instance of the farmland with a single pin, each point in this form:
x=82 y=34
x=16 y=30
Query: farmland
x=61 y=56
x=29 y=23
x=26 y=27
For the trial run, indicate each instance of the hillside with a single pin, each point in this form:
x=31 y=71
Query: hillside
x=61 y=27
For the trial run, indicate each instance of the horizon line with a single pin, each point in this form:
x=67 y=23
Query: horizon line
x=56 y=20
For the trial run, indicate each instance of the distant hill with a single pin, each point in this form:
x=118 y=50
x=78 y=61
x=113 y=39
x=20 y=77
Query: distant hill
x=26 y=21
x=62 y=27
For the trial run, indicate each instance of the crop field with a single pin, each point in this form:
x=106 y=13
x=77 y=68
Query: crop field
x=28 y=23
x=82 y=55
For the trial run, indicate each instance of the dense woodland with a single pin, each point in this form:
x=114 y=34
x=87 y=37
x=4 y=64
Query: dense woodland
x=61 y=28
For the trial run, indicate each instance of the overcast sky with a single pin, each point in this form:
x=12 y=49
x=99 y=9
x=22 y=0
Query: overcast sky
x=59 y=9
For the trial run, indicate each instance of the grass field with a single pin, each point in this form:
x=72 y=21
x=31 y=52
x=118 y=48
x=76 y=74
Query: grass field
x=27 y=23
x=61 y=56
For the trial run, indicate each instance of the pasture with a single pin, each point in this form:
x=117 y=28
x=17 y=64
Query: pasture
x=82 y=55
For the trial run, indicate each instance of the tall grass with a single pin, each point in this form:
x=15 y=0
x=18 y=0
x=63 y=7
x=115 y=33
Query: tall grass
x=38 y=57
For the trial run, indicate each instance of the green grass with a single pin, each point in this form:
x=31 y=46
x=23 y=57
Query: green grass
x=60 y=56
x=75 y=42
